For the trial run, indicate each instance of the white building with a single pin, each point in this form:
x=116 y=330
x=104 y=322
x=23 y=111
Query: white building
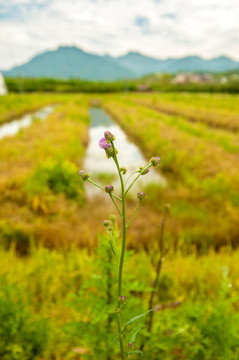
x=3 y=88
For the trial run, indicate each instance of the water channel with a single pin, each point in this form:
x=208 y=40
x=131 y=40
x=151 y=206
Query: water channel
x=13 y=127
x=103 y=170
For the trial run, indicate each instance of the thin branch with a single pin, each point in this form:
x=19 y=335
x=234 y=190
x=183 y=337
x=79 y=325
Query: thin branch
x=111 y=195
x=133 y=215
x=141 y=172
x=100 y=187
x=135 y=172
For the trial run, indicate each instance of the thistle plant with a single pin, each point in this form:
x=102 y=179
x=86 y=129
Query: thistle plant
x=107 y=144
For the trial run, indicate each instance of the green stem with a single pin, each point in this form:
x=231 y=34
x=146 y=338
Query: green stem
x=141 y=172
x=122 y=254
x=121 y=336
x=133 y=215
x=111 y=195
x=100 y=187
x=135 y=172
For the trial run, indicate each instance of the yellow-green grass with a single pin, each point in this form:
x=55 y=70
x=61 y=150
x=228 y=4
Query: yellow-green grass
x=199 y=163
x=203 y=180
x=42 y=197
x=41 y=192
x=214 y=110
x=14 y=105
x=65 y=288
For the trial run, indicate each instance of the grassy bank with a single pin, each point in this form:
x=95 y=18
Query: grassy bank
x=216 y=111
x=40 y=188
x=200 y=164
x=43 y=200
x=14 y=105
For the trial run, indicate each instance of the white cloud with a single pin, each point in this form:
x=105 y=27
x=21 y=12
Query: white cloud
x=171 y=28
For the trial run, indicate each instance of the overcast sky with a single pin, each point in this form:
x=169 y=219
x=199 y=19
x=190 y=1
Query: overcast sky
x=158 y=28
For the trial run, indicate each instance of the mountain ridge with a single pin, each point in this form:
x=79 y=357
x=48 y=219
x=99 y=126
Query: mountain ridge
x=72 y=62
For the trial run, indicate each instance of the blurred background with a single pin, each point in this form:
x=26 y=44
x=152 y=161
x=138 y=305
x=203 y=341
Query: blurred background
x=163 y=77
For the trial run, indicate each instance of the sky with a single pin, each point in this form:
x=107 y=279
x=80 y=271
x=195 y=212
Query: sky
x=157 y=28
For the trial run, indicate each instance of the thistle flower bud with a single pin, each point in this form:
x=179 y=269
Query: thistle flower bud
x=113 y=220
x=117 y=310
x=130 y=345
x=144 y=172
x=84 y=175
x=141 y=195
x=108 y=136
x=109 y=151
x=167 y=207
x=109 y=189
x=123 y=170
x=155 y=161
x=122 y=299
x=106 y=223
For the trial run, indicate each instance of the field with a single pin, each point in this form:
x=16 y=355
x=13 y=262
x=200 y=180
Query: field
x=57 y=274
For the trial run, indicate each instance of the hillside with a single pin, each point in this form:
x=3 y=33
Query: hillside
x=72 y=62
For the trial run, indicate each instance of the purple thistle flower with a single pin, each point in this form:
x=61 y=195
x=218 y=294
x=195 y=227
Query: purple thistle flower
x=103 y=144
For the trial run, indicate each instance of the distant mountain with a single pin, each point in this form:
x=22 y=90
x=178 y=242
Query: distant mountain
x=72 y=62
x=141 y=64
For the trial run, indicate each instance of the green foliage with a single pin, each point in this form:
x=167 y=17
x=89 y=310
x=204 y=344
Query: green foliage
x=68 y=86
x=57 y=176
x=196 y=331
x=75 y=291
x=97 y=322
x=23 y=335
x=155 y=84
x=16 y=236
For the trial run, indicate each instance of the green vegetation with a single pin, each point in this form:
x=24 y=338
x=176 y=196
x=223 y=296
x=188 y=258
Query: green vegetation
x=68 y=86
x=57 y=285
x=219 y=111
x=199 y=162
x=13 y=106
x=150 y=83
x=48 y=303
x=41 y=193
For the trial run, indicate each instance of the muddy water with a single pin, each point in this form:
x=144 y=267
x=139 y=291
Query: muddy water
x=103 y=170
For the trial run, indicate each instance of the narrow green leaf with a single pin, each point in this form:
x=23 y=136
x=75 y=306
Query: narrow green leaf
x=112 y=247
x=136 y=318
x=136 y=352
x=113 y=341
x=132 y=336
